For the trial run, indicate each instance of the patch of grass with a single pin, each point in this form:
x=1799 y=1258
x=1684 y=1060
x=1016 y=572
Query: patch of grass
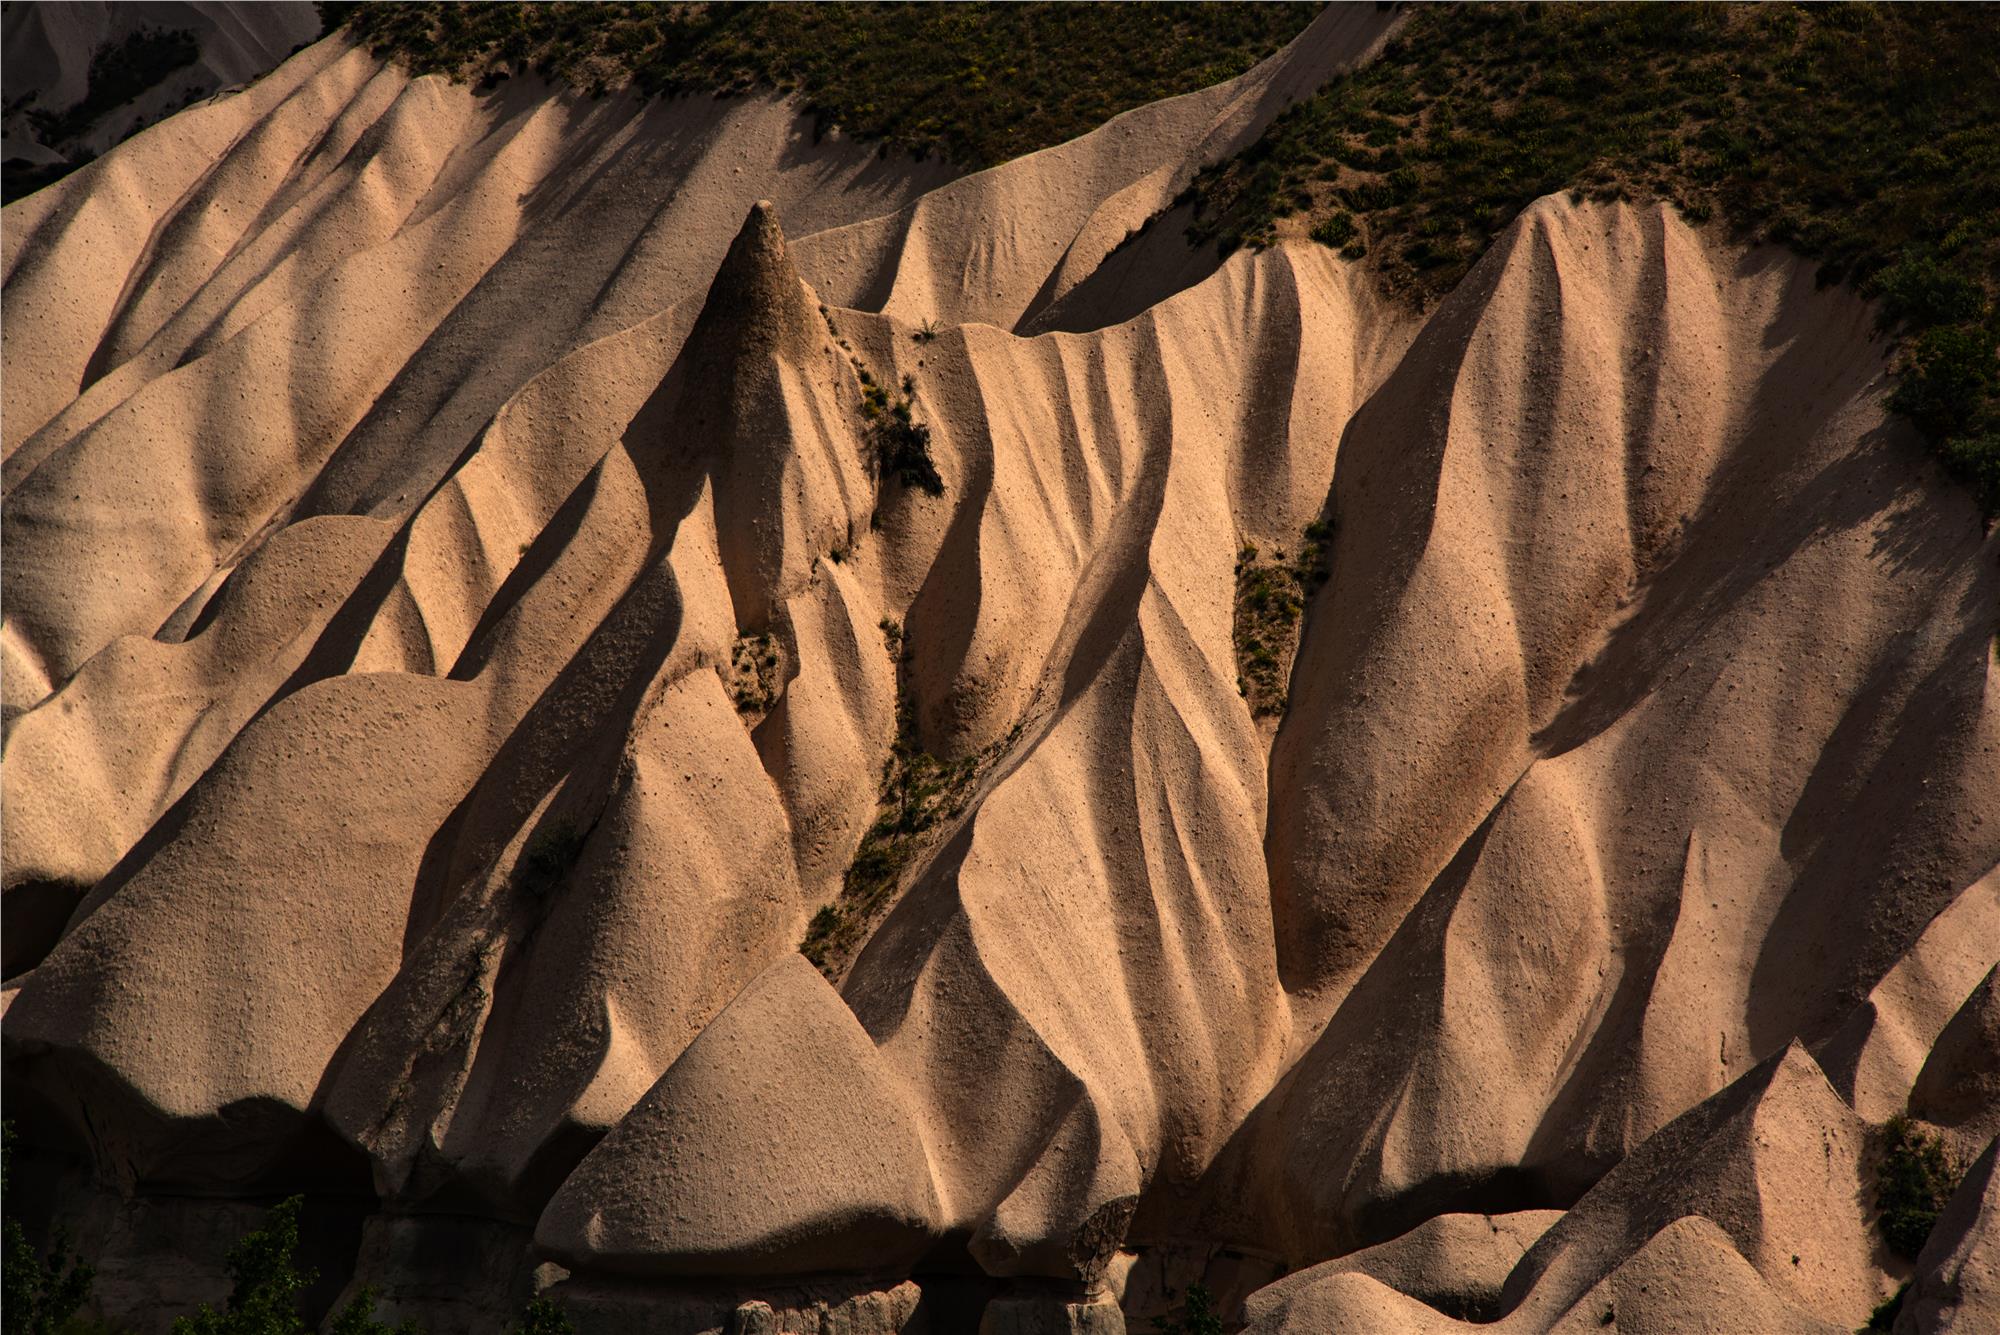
x=1864 y=136
x=919 y=793
x=1271 y=596
x=1914 y=1179
x=975 y=83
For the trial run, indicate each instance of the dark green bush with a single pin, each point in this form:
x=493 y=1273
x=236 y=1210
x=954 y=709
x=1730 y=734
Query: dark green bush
x=550 y=854
x=1335 y=230
x=265 y=1284
x=38 y=1293
x=544 y=1316
x=1914 y=1180
x=904 y=449
x=1950 y=376
x=1197 y=1316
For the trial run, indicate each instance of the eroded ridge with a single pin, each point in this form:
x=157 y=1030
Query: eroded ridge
x=483 y=673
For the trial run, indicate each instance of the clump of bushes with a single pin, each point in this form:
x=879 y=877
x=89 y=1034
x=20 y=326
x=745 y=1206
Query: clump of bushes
x=267 y=1285
x=1914 y=1179
x=119 y=72
x=1336 y=231
x=1197 y=1316
x=1271 y=594
x=43 y=1294
x=902 y=444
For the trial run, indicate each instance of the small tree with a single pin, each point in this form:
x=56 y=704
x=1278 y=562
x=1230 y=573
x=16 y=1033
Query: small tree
x=358 y=1318
x=263 y=1298
x=1198 y=1315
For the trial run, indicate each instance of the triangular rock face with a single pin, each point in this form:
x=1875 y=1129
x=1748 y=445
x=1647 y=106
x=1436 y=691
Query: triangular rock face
x=757 y=304
x=1959 y=1086
x=768 y=397
x=776 y=1145
x=1776 y=1161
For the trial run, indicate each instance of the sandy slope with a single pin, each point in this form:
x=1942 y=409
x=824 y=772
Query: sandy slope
x=394 y=473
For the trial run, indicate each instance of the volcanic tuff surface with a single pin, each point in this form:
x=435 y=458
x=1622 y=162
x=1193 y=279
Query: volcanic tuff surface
x=459 y=626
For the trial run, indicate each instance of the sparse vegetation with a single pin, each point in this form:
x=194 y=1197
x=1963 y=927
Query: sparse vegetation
x=545 y=1316
x=1914 y=1179
x=975 y=83
x=358 y=1318
x=550 y=854
x=1197 y=1317
x=1883 y=1318
x=1271 y=596
x=119 y=72
x=39 y=1294
x=752 y=680
x=902 y=444
x=1865 y=136
x=267 y=1284
x=918 y=793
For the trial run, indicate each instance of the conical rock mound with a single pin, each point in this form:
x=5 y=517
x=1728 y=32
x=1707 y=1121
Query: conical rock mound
x=769 y=397
x=776 y=1145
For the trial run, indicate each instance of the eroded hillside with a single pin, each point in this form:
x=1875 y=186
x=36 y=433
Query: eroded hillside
x=489 y=571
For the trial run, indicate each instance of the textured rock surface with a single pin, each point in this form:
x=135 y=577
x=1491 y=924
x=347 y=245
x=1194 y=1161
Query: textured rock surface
x=398 y=477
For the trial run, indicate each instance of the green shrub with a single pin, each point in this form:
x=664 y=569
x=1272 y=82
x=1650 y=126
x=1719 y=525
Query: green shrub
x=1914 y=1179
x=544 y=1316
x=1335 y=230
x=358 y=1318
x=550 y=854
x=265 y=1284
x=1197 y=1317
x=1883 y=1318
x=1918 y=287
x=903 y=448
x=1949 y=378
x=38 y=1294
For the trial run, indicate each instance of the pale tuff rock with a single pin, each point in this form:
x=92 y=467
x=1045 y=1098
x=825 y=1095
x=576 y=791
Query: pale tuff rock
x=396 y=475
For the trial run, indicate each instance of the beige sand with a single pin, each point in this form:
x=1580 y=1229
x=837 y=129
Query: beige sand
x=395 y=473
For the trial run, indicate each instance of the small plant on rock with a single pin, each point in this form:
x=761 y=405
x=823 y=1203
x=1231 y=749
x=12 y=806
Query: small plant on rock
x=1915 y=1178
x=1198 y=1315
